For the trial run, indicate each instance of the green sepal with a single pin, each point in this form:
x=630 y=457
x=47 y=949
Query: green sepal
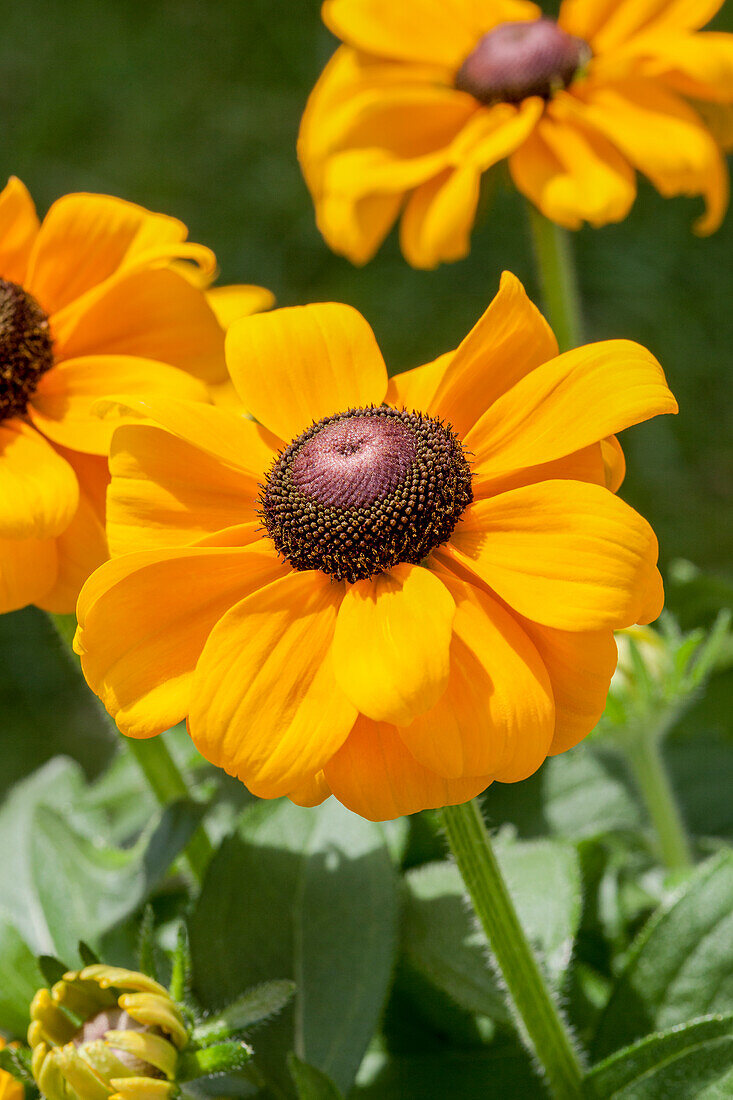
x=87 y=955
x=51 y=968
x=214 y=1060
x=180 y=983
x=17 y=1062
x=254 y=1006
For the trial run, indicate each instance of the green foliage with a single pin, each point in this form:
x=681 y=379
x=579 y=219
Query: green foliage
x=310 y=1083
x=308 y=895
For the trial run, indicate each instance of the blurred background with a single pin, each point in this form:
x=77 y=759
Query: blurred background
x=193 y=109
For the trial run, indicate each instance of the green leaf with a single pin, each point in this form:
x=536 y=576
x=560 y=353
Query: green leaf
x=681 y=965
x=310 y=1083
x=487 y=1072
x=578 y=795
x=51 y=968
x=443 y=943
x=252 y=1007
x=213 y=1061
x=691 y=1062
x=309 y=895
x=19 y=980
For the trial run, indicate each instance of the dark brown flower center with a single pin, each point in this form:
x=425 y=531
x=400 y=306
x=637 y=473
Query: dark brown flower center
x=519 y=60
x=362 y=491
x=26 y=348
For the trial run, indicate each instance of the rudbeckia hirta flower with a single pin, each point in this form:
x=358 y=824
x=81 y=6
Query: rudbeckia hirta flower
x=427 y=95
x=102 y=298
x=392 y=591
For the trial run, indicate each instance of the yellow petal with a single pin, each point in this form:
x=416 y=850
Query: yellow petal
x=141 y=1088
x=266 y=706
x=666 y=140
x=607 y=24
x=614 y=463
x=436 y=31
x=574 y=400
x=312 y=792
x=294 y=366
x=38 y=489
x=223 y=433
x=438 y=218
x=580 y=666
x=573 y=174
x=156 y=1011
x=27 y=571
x=85 y=239
x=392 y=643
x=374 y=775
x=229 y=303
x=143 y=622
x=82 y=547
x=562 y=553
x=63 y=405
x=497 y=714
x=698 y=65
x=584 y=465
x=18 y=228
x=509 y=341
x=166 y=493
x=153 y=314
x=415 y=389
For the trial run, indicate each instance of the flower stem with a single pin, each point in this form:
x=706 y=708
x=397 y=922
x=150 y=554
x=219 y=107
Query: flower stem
x=644 y=755
x=556 y=268
x=538 y=1015
x=157 y=765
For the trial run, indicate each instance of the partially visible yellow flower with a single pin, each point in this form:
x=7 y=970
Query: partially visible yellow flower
x=104 y=1032
x=427 y=95
x=392 y=591
x=100 y=298
x=10 y=1089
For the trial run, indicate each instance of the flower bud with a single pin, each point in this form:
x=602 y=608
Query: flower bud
x=105 y=1033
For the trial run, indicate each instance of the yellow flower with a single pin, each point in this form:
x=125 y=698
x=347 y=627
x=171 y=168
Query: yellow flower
x=10 y=1089
x=105 y=1032
x=94 y=301
x=427 y=95
x=432 y=600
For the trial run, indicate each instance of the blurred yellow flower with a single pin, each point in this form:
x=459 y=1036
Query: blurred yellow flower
x=427 y=95
x=10 y=1089
x=125 y=1047
x=394 y=591
x=101 y=298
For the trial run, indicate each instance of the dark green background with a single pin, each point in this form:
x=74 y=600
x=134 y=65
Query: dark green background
x=193 y=108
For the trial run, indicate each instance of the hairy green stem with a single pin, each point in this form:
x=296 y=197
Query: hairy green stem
x=154 y=759
x=554 y=256
x=644 y=755
x=538 y=1015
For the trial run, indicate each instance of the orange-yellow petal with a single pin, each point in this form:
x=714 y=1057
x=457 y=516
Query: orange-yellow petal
x=266 y=706
x=27 y=571
x=84 y=239
x=415 y=389
x=38 y=489
x=374 y=775
x=497 y=714
x=574 y=400
x=565 y=554
x=614 y=462
x=586 y=464
x=665 y=139
x=63 y=405
x=312 y=792
x=438 y=218
x=573 y=174
x=296 y=365
x=698 y=65
x=435 y=31
x=223 y=433
x=229 y=303
x=510 y=340
x=18 y=228
x=153 y=314
x=580 y=665
x=82 y=547
x=606 y=24
x=391 y=648
x=165 y=492
x=144 y=619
